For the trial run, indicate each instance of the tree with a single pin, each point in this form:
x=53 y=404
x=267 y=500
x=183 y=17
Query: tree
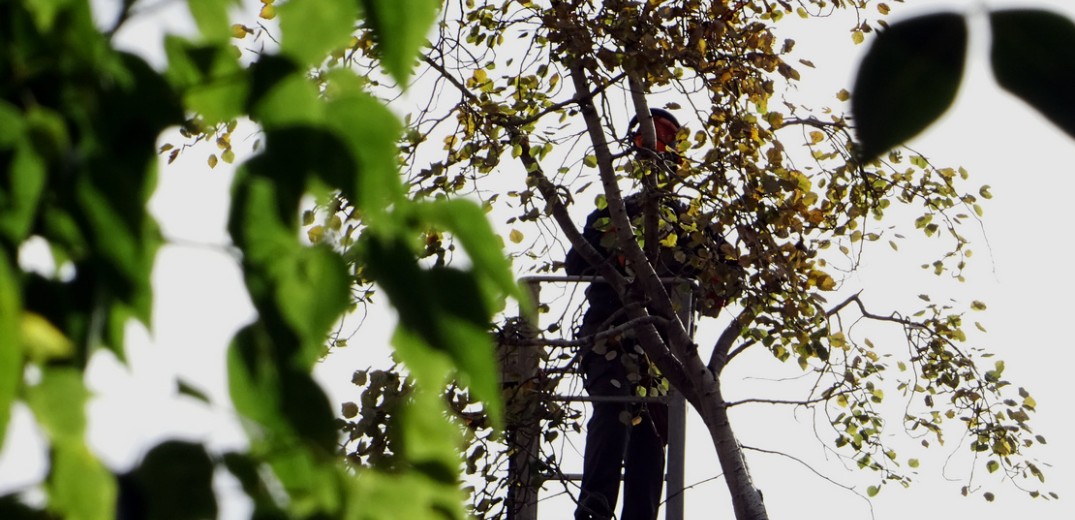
x=543 y=116
x=78 y=128
x=79 y=123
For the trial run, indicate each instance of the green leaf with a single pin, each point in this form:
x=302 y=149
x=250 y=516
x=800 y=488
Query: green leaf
x=253 y=382
x=370 y=130
x=11 y=360
x=248 y=472
x=311 y=483
x=260 y=222
x=266 y=387
x=428 y=365
x=45 y=12
x=467 y=222
x=79 y=486
x=313 y=28
x=49 y=134
x=312 y=291
x=1033 y=57
x=58 y=402
x=908 y=78
x=210 y=77
x=393 y=265
x=427 y=440
x=308 y=410
x=12 y=126
x=400 y=27
x=288 y=99
x=308 y=288
x=20 y=196
x=112 y=236
x=212 y=18
x=442 y=308
x=173 y=482
x=184 y=388
x=872 y=491
x=411 y=495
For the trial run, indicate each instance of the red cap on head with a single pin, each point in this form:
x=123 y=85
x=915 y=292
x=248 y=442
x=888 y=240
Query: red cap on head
x=664 y=124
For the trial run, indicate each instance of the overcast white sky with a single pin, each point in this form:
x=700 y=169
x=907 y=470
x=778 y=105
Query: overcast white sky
x=1021 y=270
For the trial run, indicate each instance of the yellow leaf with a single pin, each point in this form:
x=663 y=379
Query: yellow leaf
x=268 y=12
x=1002 y=447
x=816 y=137
x=515 y=236
x=480 y=76
x=843 y=95
x=239 y=31
x=228 y=156
x=335 y=223
x=883 y=8
x=669 y=240
x=858 y=37
x=42 y=340
x=838 y=340
x=315 y=234
x=212 y=160
x=1029 y=402
x=775 y=119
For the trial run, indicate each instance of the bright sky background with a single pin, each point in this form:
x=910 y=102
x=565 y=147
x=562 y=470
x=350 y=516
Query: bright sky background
x=1020 y=269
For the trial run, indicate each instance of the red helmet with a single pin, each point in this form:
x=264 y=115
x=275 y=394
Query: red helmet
x=666 y=126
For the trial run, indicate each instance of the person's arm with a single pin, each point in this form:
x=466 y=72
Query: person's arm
x=574 y=263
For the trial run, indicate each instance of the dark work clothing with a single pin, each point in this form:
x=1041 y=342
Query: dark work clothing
x=614 y=447
x=617 y=367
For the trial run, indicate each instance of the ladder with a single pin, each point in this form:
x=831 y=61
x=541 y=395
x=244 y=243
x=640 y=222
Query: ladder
x=523 y=363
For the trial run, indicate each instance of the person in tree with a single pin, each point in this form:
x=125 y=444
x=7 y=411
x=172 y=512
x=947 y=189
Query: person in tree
x=628 y=439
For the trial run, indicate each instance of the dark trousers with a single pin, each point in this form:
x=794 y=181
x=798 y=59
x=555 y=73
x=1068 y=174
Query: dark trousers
x=615 y=447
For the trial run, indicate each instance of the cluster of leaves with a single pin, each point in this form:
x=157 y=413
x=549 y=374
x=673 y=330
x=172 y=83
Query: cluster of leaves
x=786 y=185
x=912 y=72
x=78 y=127
x=372 y=431
x=79 y=122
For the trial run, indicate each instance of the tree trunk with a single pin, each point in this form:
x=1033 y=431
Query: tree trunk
x=675 y=354
x=746 y=499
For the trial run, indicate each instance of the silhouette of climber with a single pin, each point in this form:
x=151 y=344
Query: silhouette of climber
x=626 y=439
